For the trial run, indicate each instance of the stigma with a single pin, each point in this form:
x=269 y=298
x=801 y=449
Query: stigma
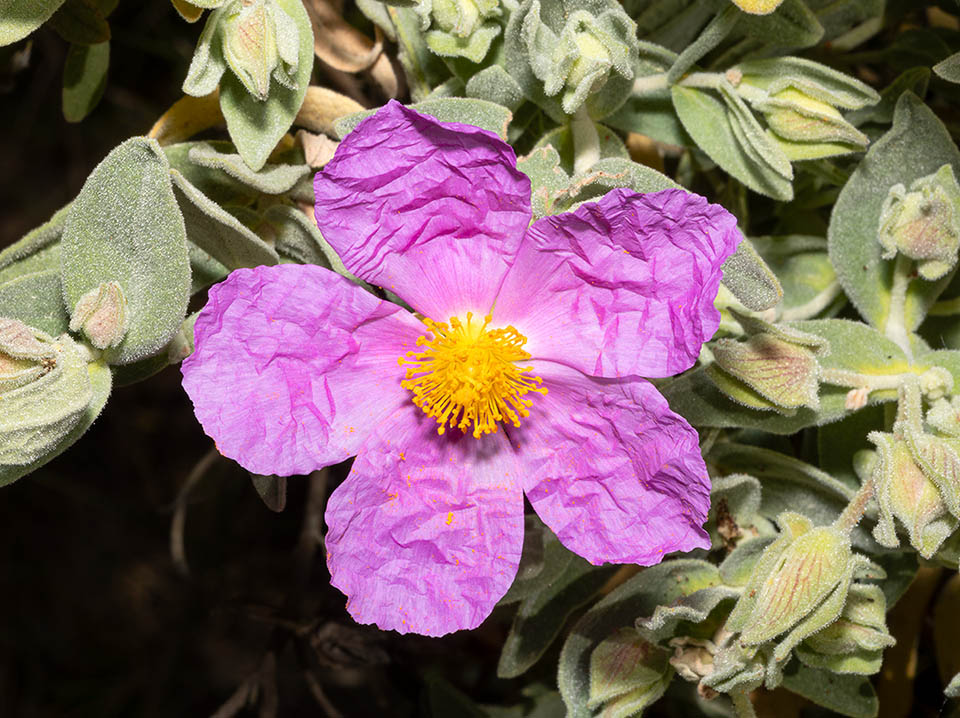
x=465 y=374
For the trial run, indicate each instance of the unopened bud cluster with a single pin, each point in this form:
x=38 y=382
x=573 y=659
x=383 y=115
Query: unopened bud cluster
x=923 y=223
x=460 y=28
x=256 y=39
x=916 y=469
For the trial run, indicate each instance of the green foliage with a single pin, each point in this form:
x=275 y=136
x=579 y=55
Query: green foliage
x=125 y=226
x=84 y=79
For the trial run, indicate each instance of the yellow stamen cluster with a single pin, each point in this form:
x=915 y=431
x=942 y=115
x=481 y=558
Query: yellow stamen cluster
x=465 y=374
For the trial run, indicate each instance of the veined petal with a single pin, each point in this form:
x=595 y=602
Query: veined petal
x=623 y=286
x=611 y=470
x=425 y=534
x=293 y=365
x=433 y=211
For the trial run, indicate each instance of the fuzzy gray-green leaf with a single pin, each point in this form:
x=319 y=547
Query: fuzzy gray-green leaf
x=36 y=299
x=125 y=226
x=18 y=18
x=218 y=232
x=707 y=122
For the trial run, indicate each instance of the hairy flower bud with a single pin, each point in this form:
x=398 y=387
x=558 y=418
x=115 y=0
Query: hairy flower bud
x=906 y=493
x=260 y=41
x=101 y=314
x=795 y=115
x=25 y=354
x=781 y=371
x=944 y=416
x=924 y=223
x=853 y=643
x=580 y=57
x=460 y=28
x=625 y=668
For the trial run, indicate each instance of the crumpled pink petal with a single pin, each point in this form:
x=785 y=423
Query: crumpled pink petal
x=293 y=366
x=425 y=534
x=623 y=286
x=611 y=470
x=432 y=211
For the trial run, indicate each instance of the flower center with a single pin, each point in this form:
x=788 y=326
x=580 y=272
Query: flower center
x=465 y=374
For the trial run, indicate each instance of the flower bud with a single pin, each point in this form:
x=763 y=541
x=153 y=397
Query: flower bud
x=101 y=314
x=260 y=41
x=924 y=223
x=795 y=115
x=578 y=59
x=853 y=643
x=944 y=416
x=461 y=28
x=625 y=664
x=25 y=354
x=781 y=371
x=936 y=382
x=905 y=492
x=809 y=568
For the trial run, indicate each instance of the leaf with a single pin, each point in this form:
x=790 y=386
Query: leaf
x=803 y=269
x=639 y=596
x=707 y=122
x=269 y=179
x=272 y=490
x=495 y=84
x=851 y=696
x=297 y=236
x=257 y=126
x=547 y=179
x=561 y=139
x=814 y=79
x=750 y=280
x=125 y=226
x=917 y=145
x=36 y=251
x=82 y=22
x=216 y=231
x=19 y=18
x=467 y=110
x=84 y=79
x=99 y=381
x=793 y=25
x=36 y=299
x=40 y=414
x=542 y=614
x=949 y=69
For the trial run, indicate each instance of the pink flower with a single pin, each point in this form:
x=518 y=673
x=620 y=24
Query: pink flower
x=528 y=344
